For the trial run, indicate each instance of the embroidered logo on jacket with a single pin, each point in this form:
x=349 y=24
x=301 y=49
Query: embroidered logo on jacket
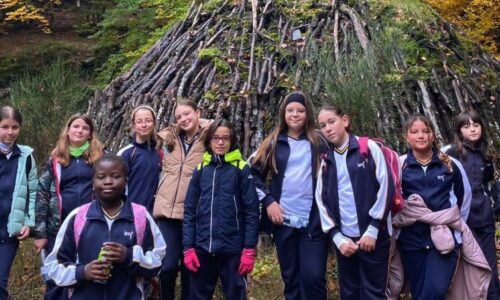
x=440 y=177
x=361 y=164
x=128 y=233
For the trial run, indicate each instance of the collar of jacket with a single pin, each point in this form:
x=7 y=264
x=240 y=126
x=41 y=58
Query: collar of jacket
x=411 y=160
x=283 y=136
x=150 y=145
x=229 y=157
x=95 y=211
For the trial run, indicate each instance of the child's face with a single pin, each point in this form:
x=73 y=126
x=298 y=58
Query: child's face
x=471 y=131
x=221 y=141
x=187 y=118
x=333 y=127
x=295 y=116
x=9 y=131
x=78 y=133
x=419 y=136
x=109 y=181
x=144 y=123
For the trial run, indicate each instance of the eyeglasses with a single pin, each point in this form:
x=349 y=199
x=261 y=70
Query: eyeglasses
x=225 y=139
x=146 y=121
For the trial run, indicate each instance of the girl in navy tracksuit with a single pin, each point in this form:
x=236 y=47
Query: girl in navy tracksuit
x=471 y=149
x=65 y=184
x=354 y=194
x=102 y=252
x=291 y=153
x=442 y=183
x=221 y=217
x=17 y=192
x=142 y=158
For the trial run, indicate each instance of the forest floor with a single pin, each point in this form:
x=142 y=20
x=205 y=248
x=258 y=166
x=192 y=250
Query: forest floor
x=264 y=284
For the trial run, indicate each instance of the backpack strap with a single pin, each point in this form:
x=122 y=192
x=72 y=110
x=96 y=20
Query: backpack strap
x=80 y=221
x=140 y=219
x=363 y=146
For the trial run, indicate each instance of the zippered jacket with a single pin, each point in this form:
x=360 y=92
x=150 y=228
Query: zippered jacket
x=268 y=193
x=66 y=263
x=439 y=188
x=60 y=190
x=22 y=211
x=371 y=183
x=144 y=166
x=176 y=173
x=222 y=209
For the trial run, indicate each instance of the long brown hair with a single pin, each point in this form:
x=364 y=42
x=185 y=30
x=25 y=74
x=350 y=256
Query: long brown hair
x=265 y=155
x=170 y=137
x=465 y=119
x=91 y=155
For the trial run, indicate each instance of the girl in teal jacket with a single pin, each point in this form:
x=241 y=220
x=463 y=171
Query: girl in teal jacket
x=17 y=192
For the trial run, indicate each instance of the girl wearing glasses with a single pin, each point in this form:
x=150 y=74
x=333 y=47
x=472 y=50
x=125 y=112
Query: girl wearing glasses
x=290 y=154
x=221 y=216
x=142 y=157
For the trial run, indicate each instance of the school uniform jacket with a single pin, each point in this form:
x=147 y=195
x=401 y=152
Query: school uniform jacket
x=66 y=262
x=60 y=190
x=371 y=183
x=144 y=166
x=270 y=193
x=480 y=172
x=439 y=188
x=221 y=213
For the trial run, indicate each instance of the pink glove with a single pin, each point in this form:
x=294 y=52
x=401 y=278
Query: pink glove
x=247 y=261
x=191 y=260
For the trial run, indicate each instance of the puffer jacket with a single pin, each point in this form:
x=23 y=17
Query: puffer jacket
x=176 y=172
x=23 y=199
x=222 y=208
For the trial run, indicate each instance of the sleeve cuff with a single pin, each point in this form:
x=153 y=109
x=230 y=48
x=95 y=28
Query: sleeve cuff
x=80 y=273
x=339 y=239
x=372 y=232
x=375 y=223
x=268 y=200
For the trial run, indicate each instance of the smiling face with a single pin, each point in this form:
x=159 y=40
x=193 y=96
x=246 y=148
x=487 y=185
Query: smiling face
x=109 y=181
x=78 y=132
x=333 y=127
x=220 y=142
x=187 y=118
x=419 y=136
x=9 y=131
x=295 y=117
x=471 y=131
x=144 y=124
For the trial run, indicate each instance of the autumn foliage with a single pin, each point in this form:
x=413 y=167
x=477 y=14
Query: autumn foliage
x=26 y=12
x=480 y=19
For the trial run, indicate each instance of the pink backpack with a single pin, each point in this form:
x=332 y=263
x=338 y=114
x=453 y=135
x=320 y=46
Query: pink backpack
x=140 y=220
x=392 y=161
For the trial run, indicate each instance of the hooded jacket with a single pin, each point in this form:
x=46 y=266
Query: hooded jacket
x=222 y=209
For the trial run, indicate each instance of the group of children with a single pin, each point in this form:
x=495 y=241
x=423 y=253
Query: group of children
x=184 y=199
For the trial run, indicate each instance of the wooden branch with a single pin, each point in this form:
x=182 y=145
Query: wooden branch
x=358 y=28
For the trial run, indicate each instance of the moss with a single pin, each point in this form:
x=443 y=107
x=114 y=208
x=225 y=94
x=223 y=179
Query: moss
x=210 y=96
x=209 y=53
x=221 y=65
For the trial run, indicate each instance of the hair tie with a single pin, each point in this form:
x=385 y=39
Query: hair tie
x=144 y=107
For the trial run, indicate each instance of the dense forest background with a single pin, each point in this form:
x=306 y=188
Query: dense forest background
x=55 y=55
